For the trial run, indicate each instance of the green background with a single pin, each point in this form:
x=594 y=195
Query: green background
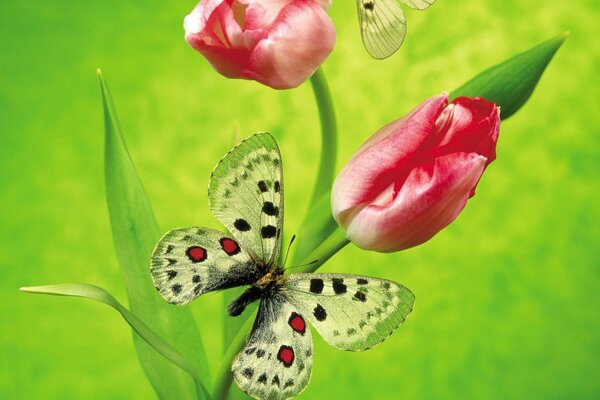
x=507 y=296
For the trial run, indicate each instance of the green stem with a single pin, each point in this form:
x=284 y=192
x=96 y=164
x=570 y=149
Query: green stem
x=328 y=135
x=331 y=245
x=309 y=235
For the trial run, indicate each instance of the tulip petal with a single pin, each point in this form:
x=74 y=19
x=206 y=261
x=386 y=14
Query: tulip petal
x=388 y=154
x=300 y=39
x=431 y=197
x=469 y=125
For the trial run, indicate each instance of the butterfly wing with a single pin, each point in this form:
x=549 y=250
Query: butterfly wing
x=418 y=4
x=246 y=195
x=351 y=312
x=190 y=261
x=276 y=361
x=382 y=26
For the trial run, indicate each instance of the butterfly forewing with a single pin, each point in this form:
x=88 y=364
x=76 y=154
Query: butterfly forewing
x=276 y=361
x=382 y=26
x=351 y=312
x=246 y=195
x=418 y=4
x=190 y=261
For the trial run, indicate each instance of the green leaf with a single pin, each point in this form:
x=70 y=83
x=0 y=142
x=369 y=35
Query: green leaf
x=510 y=83
x=135 y=233
x=96 y=293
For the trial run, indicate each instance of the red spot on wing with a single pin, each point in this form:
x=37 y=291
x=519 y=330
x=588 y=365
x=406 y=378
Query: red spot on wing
x=286 y=355
x=230 y=246
x=297 y=323
x=196 y=253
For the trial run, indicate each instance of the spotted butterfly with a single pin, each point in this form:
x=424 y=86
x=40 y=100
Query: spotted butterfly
x=383 y=24
x=350 y=312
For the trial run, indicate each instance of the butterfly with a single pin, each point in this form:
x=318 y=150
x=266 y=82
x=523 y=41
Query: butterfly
x=350 y=312
x=383 y=24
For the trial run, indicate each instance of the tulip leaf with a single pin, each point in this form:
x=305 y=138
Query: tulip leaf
x=135 y=232
x=96 y=293
x=511 y=83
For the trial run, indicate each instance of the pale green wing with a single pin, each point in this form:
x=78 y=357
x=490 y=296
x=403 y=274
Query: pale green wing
x=382 y=26
x=351 y=312
x=246 y=195
x=188 y=262
x=418 y=4
x=276 y=362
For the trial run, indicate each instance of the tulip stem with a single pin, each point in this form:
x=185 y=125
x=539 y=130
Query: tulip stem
x=318 y=222
x=328 y=135
x=331 y=245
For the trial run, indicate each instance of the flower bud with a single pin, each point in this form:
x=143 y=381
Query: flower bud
x=279 y=43
x=414 y=176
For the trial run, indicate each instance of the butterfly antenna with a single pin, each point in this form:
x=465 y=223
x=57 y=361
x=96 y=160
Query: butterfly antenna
x=287 y=253
x=303 y=265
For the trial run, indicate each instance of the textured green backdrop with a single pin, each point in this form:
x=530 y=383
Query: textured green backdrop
x=507 y=297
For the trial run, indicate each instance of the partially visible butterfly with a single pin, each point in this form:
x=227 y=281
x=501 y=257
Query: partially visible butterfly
x=350 y=312
x=383 y=24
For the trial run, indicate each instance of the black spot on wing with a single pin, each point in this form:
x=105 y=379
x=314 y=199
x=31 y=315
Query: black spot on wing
x=262 y=379
x=338 y=286
x=260 y=353
x=277 y=187
x=176 y=288
x=275 y=381
x=241 y=225
x=262 y=186
x=196 y=279
x=316 y=285
x=320 y=313
x=268 y=232
x=171 y=274
x=270 y=209
x=361 y=281
x=289 y=383
x=360 y=296
x=248 y=372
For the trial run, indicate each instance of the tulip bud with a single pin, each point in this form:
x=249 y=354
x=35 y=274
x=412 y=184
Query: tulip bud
x=414 y=176
x=279 y=43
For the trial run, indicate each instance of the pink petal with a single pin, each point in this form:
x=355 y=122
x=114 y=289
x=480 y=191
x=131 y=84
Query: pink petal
x=386 y=155
x=300 y=39
x=431 y=198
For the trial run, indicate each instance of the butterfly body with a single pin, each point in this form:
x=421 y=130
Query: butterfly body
x=350 y=312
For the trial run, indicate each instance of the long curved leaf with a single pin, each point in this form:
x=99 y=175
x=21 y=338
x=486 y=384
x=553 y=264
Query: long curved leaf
x=511 y=83
x=96 y=293
x=135 y=232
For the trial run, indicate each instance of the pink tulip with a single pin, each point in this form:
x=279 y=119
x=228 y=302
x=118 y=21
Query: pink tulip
x=279 y=43
x=414 y=176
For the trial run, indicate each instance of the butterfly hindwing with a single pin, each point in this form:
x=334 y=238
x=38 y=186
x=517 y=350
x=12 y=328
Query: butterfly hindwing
x=276 y=362
x=351 y=312
x=188 y=262
x=246 y=195
x=382 y=26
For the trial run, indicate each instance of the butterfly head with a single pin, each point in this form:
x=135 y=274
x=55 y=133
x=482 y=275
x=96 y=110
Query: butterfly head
x=264 y=287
